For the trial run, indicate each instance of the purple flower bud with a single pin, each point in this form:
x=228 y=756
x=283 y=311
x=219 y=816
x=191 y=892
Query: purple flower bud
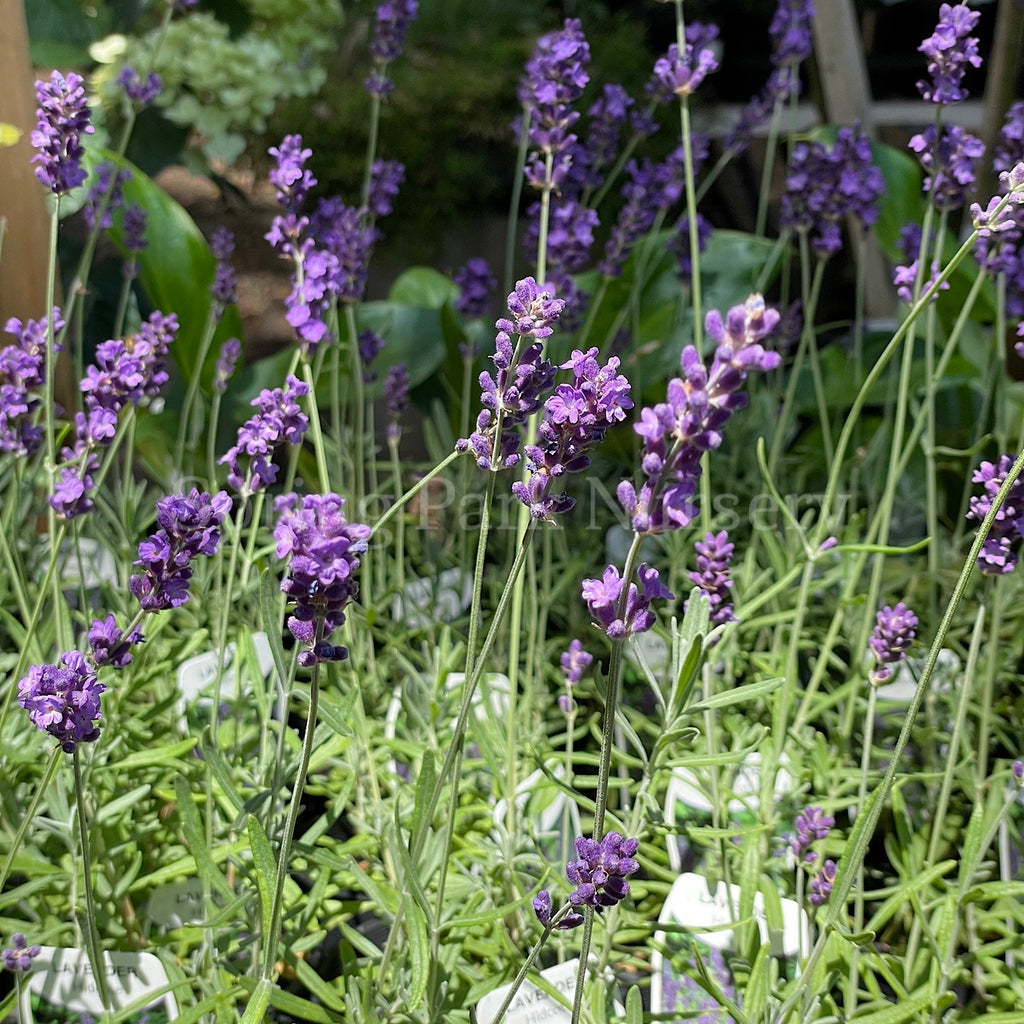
x=63 y=701
x=893 y=634
x=812 y=824
x=714 y=558
x=603 y=598
x=230 y=353
x=140 y=93
x=396 y=397
x=20 y=956
x=63 y=118
x=476 y=283
x=821 y=886
x=998 y=555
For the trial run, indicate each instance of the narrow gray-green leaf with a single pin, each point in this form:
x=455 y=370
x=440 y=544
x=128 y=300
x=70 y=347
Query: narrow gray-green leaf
x=265 y=870
x=740 y=695
x=195 y=837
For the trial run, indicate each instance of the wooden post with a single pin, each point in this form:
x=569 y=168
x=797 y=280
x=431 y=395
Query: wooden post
x=22 y=199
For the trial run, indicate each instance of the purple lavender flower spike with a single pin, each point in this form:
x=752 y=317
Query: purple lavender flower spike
x=714 y=558
x=812 y=824
x=521 y=383
x=950 y=50
x=603 y=597
x=476 y=282
x=821 y=886
x=576 y=418
x=323 y=549
x=893 y=634
x=1017 y=770
x=108 y=644
x=680 y=74
x=791 y=34
x=396 y=398
x=280 y=419
x=63 y=701
x=290 y=177
x=140 y=93
x=601 y=871
x=20 y=956
x=608 y=116
x=22 y=370
x=678 y=431
x=343 y=233
x=230 y=353
x=62 y=120
x=948 y=162
x=1009 y=148
x=107 y=187
x=225 y=283
x=386 y=177
x=392 y=22
x=575 y=661
x=999 y=553
x=187 y=526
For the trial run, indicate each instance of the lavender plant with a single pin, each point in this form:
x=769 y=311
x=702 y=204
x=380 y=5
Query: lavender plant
x=405 y=786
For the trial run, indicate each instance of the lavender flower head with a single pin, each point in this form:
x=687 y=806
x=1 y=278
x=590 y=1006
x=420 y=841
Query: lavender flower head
x=791 y=33
x=386 y=177
x=20 y=956
x=1009 y=148
x=63 y=118
x=105 y=195
x=714 y=560
x=893 y=634
x=476 y=282
x=290 y=177
x=599 y=875
x=230 y=353
x=575 y=661
x=396 y=398
x=678 y=431
x=391 y=24
x=323 y=549
x=522 y=380
x=812 y=824
x=225 y=283
x=950 y=50
x=998 y=555
x=188 y=526
x=680 y=74
x=821 y=885
x=108 y=645
x=604 y=598
x=948 y=162
x=280 y=419
x=139 y=93
x=576 y=418
x=63 y=701
x=22 y=370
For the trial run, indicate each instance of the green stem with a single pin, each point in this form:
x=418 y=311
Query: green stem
x=92 y=935
x=29 y=816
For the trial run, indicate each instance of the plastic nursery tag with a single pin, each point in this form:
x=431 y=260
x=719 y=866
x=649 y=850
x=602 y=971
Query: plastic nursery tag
x=199 y=674
x=546 y=812
x=61 y=988
x=532 y=1005
x=176 y=904
x=706 y=916
x=687 y=804
x=443 y=598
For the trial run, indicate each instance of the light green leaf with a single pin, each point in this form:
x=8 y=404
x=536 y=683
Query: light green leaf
x=265 y=870
x=740 y=695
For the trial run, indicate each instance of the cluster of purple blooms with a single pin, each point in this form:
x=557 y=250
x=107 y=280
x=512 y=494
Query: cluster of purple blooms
x=999 y=554
x=825 y=186
x=575 y=661
x=950 y=50
x=280 y=419
x=323 y=549
x=22 y=375
x=813 y=825
x=140 y=92
x=227 y=360
x=904 y=275
x=19 y=956
x=393 y=19
x=677 y=432
x=947 y=155
x=64 y=699
x=576 y=418
x=63 y=118
x=225 y=282
x=331 y=246
x=396 y=399
x=792 y=43
x=622 y=611
x=681 y=74
x=893 y=634
x=187 y=526
x=476 y=281
x=523 y=376
x=714 y=561
x=599 y=876
x=127 y=371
